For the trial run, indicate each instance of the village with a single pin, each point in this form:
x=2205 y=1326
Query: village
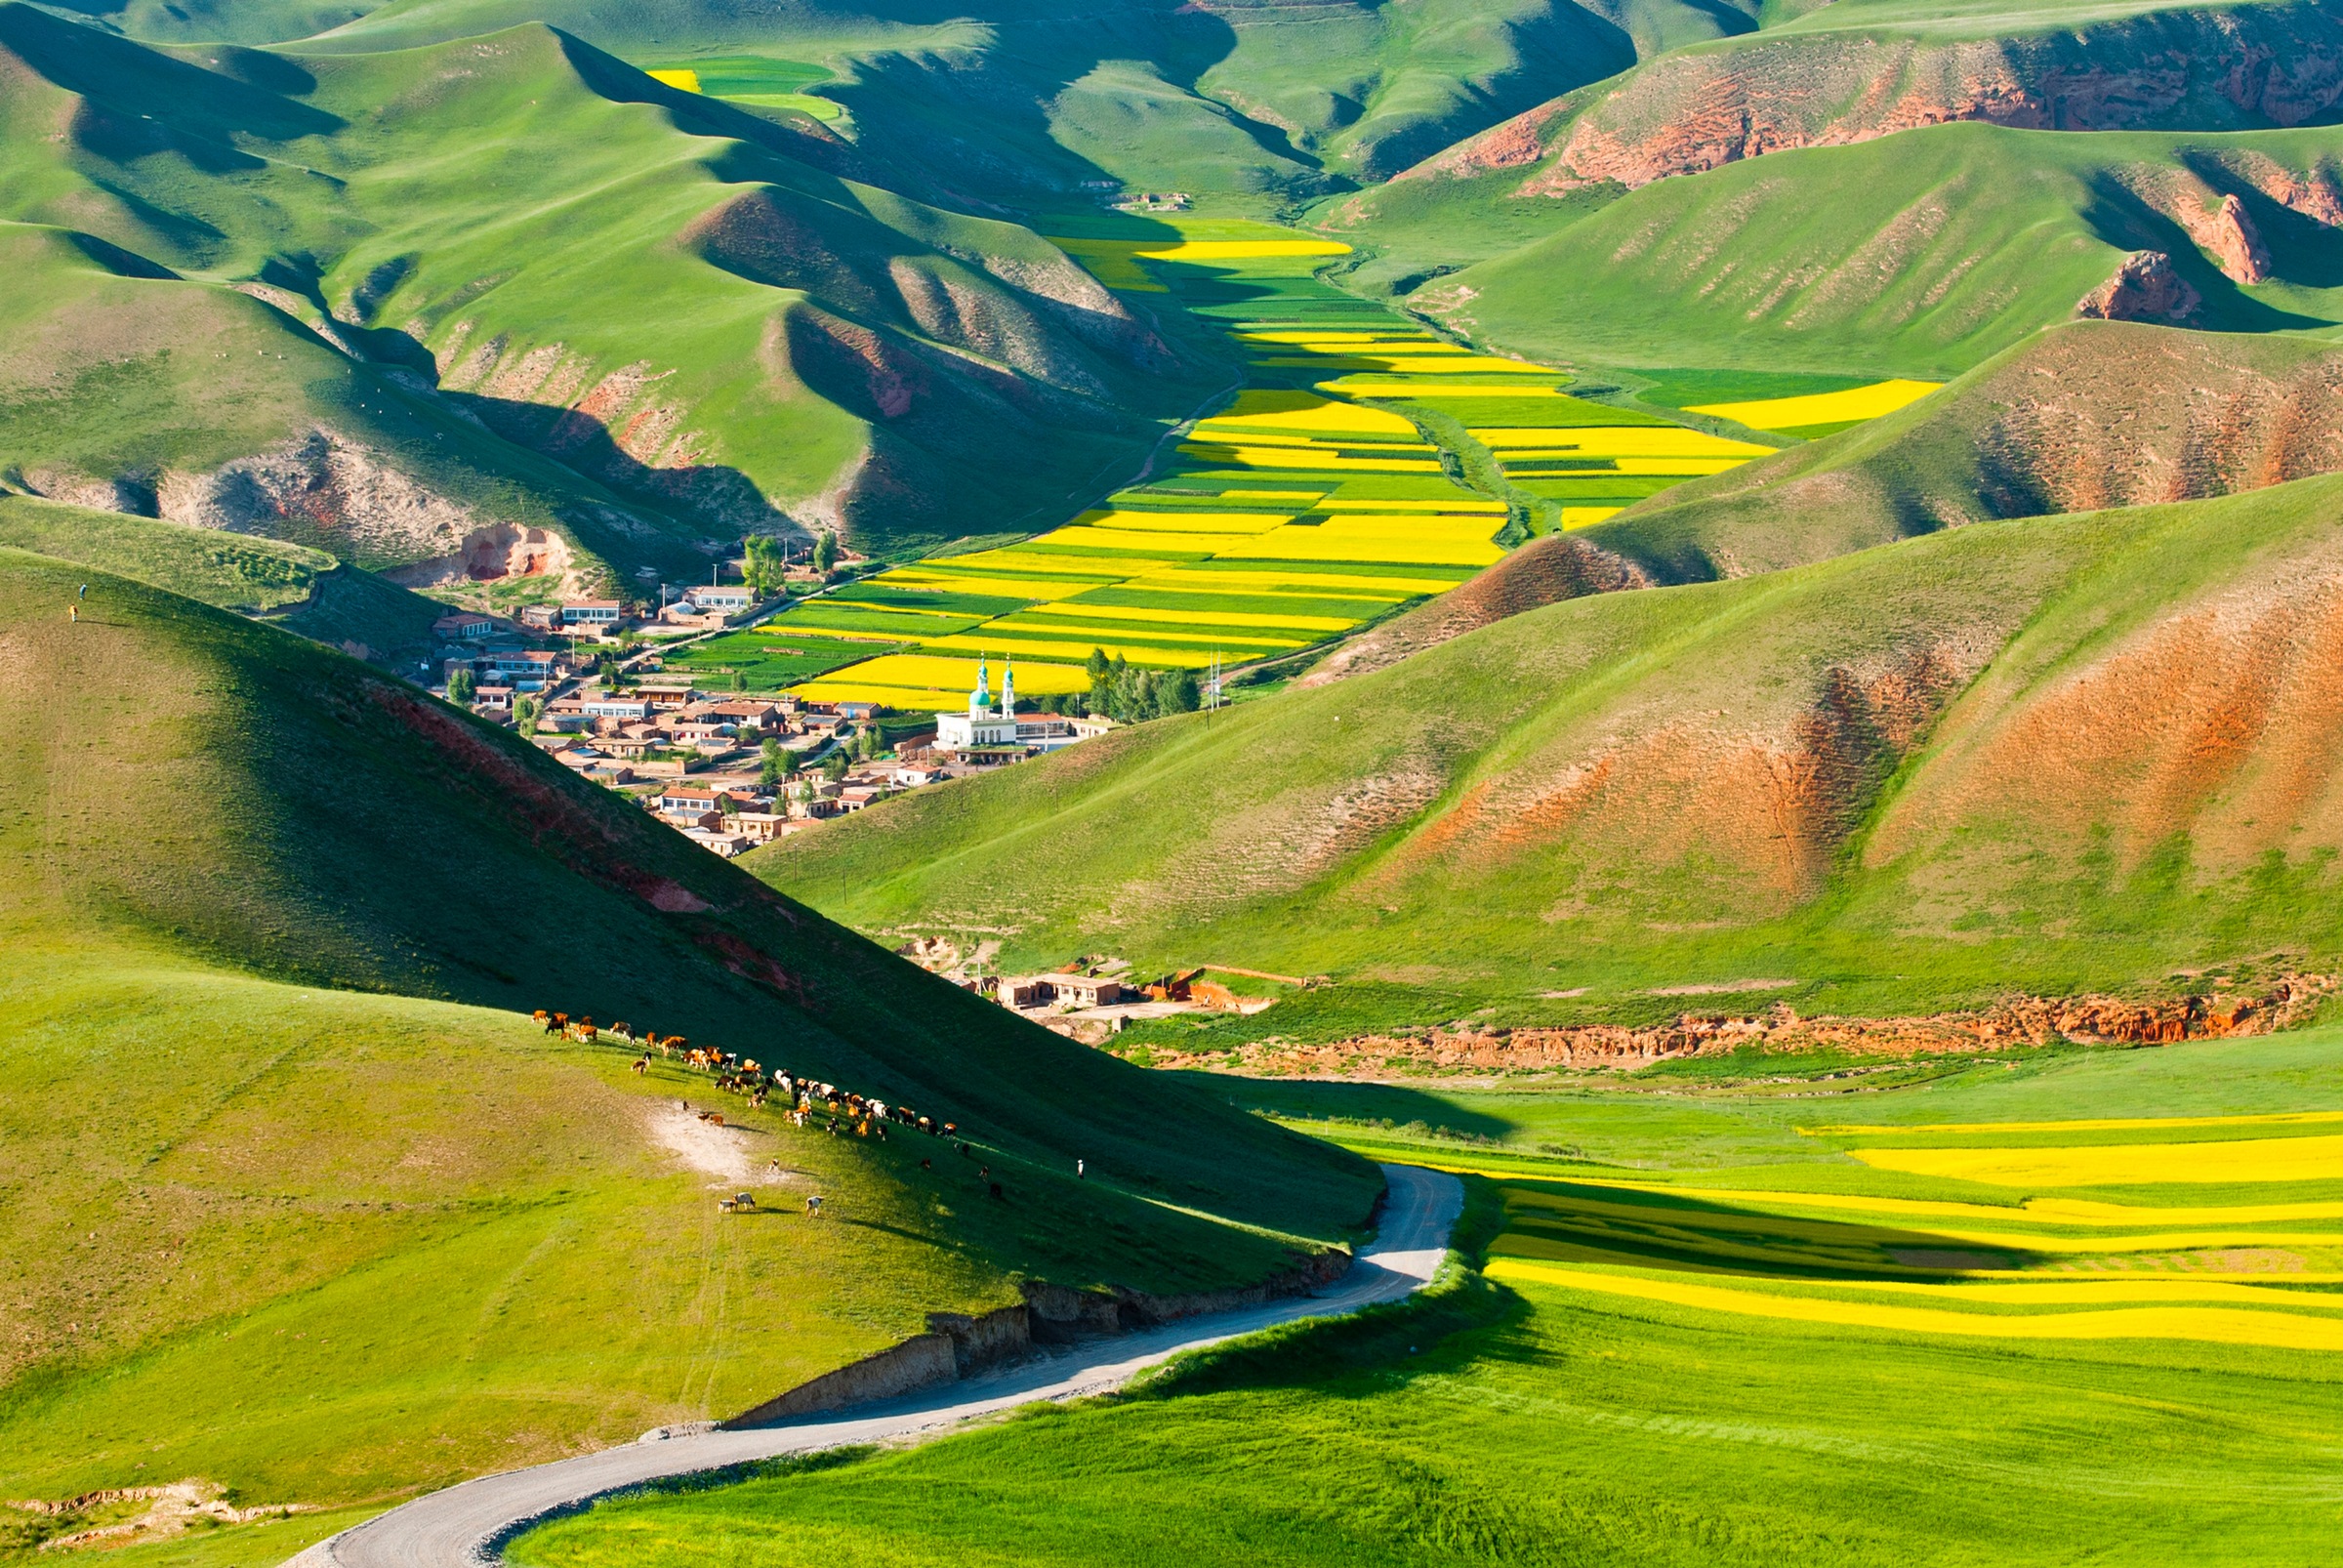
x=587 y=682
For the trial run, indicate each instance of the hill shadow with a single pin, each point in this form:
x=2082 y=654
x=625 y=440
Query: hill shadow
x=1394 y=1104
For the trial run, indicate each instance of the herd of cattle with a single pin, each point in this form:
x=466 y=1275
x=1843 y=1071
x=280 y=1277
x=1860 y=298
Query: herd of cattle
x=803 y=1097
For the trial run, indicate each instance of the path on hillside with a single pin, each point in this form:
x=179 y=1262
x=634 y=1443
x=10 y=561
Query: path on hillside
x=462 y=1526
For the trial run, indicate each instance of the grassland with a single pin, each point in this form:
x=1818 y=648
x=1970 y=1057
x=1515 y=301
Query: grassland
x=301 y=590
x=1920 y=254
x=1907 y=778
x=299 y=1200
x=1726 y=1329
x=1018 y=106
x=691 y=310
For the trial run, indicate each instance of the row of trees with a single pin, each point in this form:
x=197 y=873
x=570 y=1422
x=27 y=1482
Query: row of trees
x=768 y=569
x=1129 y=695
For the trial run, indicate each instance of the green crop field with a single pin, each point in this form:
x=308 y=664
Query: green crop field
x=1730 y=1328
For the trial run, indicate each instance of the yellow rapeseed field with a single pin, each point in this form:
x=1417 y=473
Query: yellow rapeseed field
x=2221 y=1325
x=1615 y=440
x=1177 y=618
x=934 y=671
x=2283 y=1159
x=1821 y=408
x=687 y=80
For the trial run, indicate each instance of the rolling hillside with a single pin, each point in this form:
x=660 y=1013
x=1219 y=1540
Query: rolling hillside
x=2029 y=756
x=1924 y=254
x=1861 y=69
x=2084 y=415
x=301 y=1202
x=300 y=588
x=1015 y=102
x=676 y=322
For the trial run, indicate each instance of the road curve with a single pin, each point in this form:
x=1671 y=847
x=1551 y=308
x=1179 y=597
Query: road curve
x=466 y=1525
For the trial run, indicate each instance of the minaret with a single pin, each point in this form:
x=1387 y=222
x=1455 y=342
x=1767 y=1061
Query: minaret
x=980 y=701
x=1008 y=691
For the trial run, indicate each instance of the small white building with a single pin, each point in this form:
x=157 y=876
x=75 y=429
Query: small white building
x=980 y=729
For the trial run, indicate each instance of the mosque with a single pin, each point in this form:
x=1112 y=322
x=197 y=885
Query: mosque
x=985 y=737
x=980 y=729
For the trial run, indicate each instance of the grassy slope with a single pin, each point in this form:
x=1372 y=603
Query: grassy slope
x=2084 y=415
x=1924 y=252
x=115 y=383
x=1535 y=1424
x=1903 y=778
x=735 y=327
x=1021 y=102
x=298 y=1200
x=302 y=589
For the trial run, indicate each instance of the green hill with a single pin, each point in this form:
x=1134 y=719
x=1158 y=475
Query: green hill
x=2029 y=756
x=300 y=1201
x=1020 y=102
x=669 y=298
x=1920 y=254
x=2085 y=415
x=1865 y=69
x=301 y=590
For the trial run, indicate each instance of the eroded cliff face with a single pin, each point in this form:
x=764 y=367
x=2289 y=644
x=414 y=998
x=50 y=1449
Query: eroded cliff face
x=2237 y=68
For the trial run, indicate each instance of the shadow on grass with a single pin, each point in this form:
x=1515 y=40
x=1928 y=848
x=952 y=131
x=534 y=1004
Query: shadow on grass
x=1392 y=1104
x=1712 y=1238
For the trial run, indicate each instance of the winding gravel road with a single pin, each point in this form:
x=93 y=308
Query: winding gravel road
x=466 y=1525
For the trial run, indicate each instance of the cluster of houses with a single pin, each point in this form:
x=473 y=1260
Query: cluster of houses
x=699 y=761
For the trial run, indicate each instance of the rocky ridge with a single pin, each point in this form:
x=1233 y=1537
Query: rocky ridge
x=2022 y=1022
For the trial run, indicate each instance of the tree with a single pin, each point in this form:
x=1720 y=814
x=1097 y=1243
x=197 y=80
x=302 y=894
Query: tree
x=825 y=552
x=461 y=687
x=1180 y=693
x=740 y=681
x=774 y=764
x=836 y=767
x=866 y=743
x=766 y=570
x=525 y=713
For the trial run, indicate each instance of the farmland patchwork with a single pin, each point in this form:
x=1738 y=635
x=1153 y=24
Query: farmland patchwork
x=1331 y=492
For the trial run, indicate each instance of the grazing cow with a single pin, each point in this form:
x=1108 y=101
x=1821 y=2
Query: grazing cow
x=926 y=1165
x=738 y=1203
x=997 y=1193
x=813 y=1205
x=642 y=1064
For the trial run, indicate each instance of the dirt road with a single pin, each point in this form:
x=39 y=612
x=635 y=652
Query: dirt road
x=465 y=1525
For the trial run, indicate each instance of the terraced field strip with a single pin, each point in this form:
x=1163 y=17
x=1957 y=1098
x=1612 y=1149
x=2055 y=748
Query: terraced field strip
x=1313 y=504
x=2141 y=1260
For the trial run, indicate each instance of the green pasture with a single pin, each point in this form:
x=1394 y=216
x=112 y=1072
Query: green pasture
x=773 y=655
x=302 y=1200
x=1501 y=1418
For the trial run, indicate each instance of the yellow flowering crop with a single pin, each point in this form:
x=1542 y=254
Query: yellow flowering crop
x=2219 y=1325
x=1178 y=618
x=1616 y=440
x=2281 y=1159
x=1587 y=517
x=1821 y=408
x=1164 y=523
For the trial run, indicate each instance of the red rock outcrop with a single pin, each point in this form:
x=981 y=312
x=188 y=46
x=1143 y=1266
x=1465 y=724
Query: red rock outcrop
x=2237 y=68
x=2023 y=1021
x=2143 y=288
x=1544 y=571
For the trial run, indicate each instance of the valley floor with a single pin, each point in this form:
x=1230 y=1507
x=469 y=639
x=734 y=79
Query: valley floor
x=2078 y=1309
